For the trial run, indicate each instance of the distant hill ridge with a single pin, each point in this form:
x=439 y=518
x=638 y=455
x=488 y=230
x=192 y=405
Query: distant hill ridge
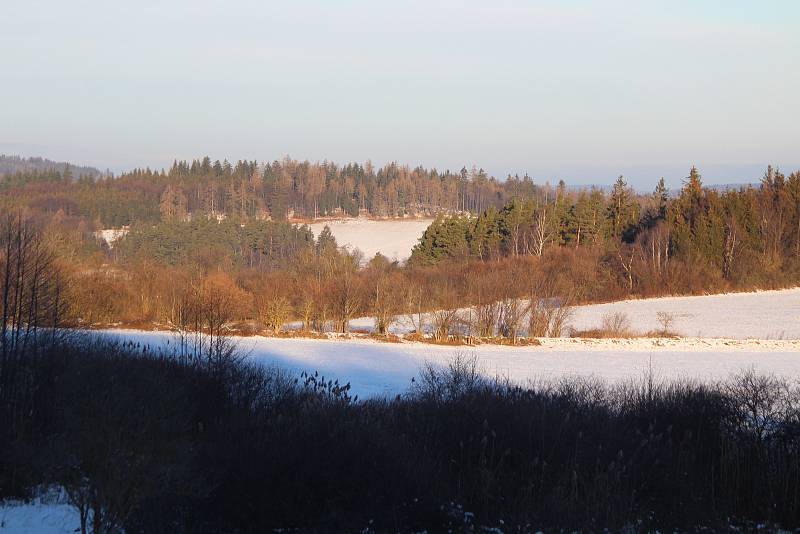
x=13 y=164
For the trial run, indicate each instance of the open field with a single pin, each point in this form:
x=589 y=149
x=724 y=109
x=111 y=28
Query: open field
x=761 y=315
x=377 y=368
x=737 y=331
x=758 y=315
x=392 y=238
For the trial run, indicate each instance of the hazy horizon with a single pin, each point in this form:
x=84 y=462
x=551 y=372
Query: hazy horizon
x=578 y=90
x=642 y=179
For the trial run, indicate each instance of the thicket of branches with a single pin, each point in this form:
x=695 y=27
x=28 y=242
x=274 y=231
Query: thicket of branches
x=151 y=443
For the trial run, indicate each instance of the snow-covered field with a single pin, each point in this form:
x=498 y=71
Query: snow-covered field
x=392 y=238
x=755 y=315
x=46 y=515
x=377 y=368
x=759 y=315
x=738 y=331
x=110 y=235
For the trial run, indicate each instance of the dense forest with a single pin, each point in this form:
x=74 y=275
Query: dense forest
x=748 y=236
x=205 y=228
x=249 y=190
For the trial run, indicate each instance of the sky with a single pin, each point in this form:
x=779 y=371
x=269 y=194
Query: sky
x=575 y=90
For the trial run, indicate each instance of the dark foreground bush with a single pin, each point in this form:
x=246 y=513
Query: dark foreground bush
x=146 y=443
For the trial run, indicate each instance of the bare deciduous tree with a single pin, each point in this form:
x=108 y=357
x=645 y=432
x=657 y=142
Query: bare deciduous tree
x=274 y=311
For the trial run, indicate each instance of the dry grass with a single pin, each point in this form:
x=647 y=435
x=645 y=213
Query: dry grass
x=615 y=325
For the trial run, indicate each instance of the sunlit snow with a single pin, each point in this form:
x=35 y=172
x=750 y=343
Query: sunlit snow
x=392 y=238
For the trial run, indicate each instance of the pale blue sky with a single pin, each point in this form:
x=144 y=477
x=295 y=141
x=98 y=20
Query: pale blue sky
x=580 y=90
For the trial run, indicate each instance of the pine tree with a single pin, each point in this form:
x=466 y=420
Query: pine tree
x=661 y=198
x=326 y=243
x=621 y=208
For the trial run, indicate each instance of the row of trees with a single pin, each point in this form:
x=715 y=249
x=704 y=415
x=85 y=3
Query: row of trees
x=249 y=190
x=324 y=291
x=10 y=165
x=528 y=226
x=260 y=245
x=747 y=236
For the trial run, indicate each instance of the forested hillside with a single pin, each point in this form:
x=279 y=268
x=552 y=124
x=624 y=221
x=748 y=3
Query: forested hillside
x=18 y=164
x=203 y=229
x=745 y=236
x=249 y=190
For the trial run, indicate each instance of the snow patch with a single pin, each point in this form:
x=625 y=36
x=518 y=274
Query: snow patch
x=48 y=514
x=392 y=238
x=110 y=235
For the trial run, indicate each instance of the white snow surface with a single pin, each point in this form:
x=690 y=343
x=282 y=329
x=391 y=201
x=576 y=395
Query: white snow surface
x=734 y=332
x=375 y=368
x=756 y=315
x=727 y=334
x=740 y=331
x=111 y=235
x=393 y=238
x=40 y=516
x=752 y=315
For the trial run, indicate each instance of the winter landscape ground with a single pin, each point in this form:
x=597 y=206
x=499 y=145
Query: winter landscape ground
x=49 y=514
x=720 y=335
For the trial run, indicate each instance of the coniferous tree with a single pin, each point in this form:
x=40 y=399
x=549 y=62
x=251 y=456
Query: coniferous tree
x=661 y=198
x=621 y=208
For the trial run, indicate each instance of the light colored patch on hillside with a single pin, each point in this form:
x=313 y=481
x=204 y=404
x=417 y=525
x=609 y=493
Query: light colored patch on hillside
x=111 y=235
x=392 y=238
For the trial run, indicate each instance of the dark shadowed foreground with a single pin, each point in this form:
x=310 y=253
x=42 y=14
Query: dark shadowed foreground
x=206 y=443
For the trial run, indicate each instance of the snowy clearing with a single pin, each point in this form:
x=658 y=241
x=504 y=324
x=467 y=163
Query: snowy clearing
x=49 y=514
x=377 y=368
x=111 y=235
x=754 y=315
x=758 y=330
x=392 y=238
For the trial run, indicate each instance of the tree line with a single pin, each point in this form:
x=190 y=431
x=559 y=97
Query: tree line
x=246 y=190
x=745 y=237
x=18 y=164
